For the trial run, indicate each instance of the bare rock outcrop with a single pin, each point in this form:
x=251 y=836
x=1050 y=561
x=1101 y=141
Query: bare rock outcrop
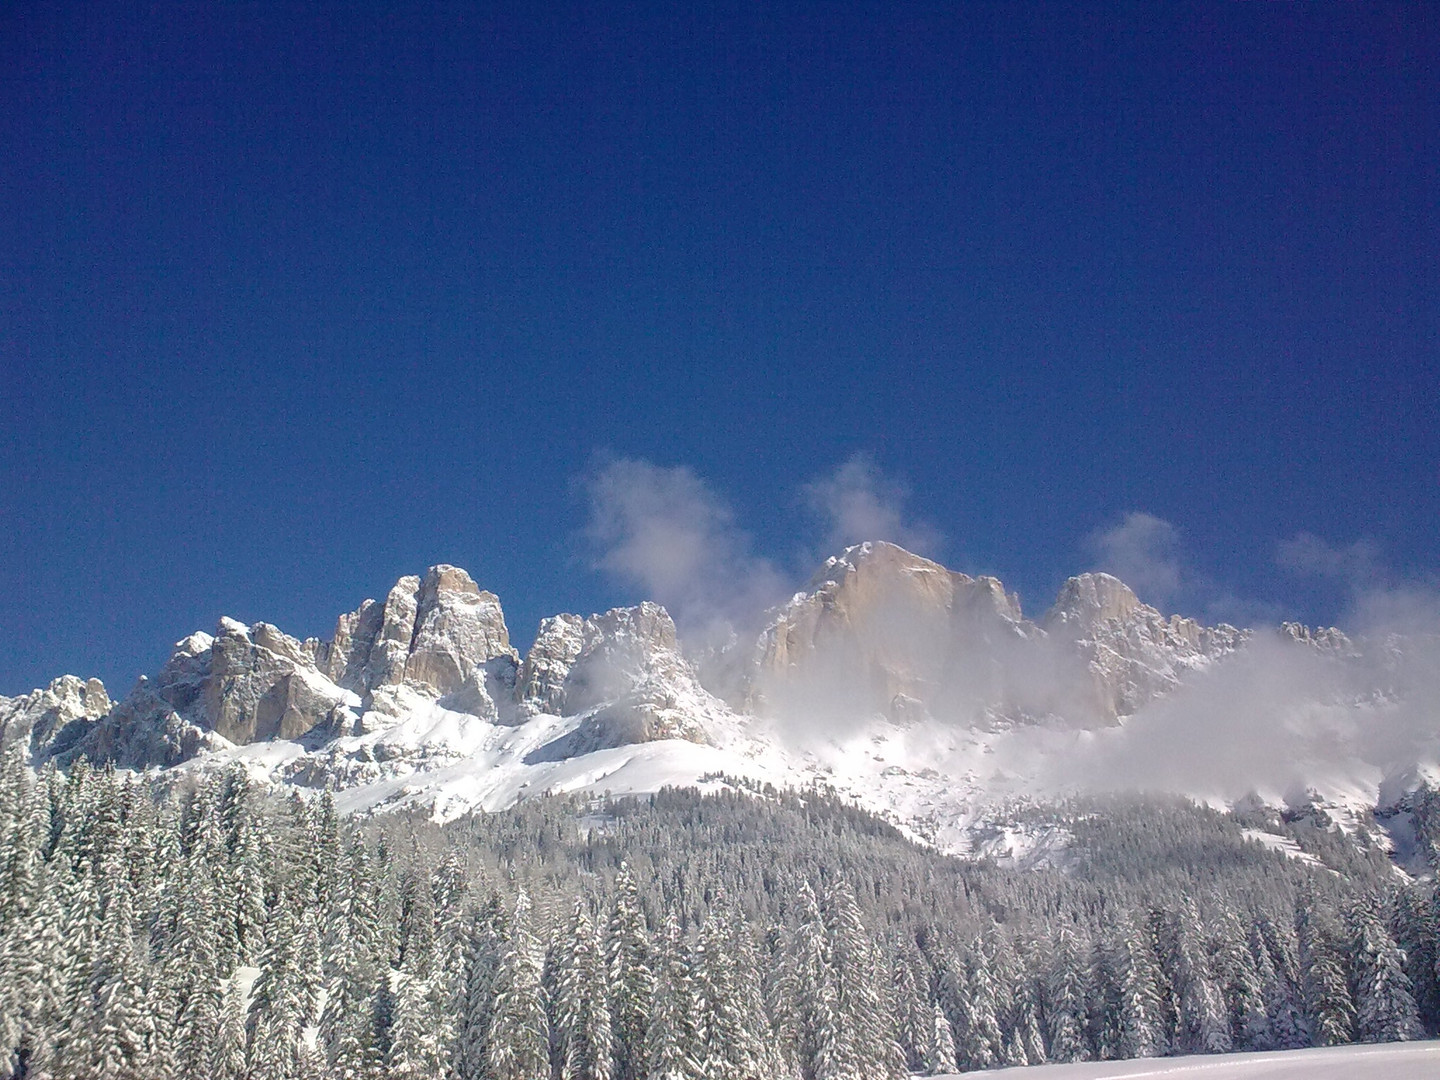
x=625 y=670
x=440 y=637
x=437 y=639
x=57 y=714
x=881 y=630
x=541 y=683
x=1132 y=652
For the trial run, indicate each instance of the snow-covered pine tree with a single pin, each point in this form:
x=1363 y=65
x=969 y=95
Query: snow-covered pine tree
x=940 y=1057
x=980 y=1038
x=1027 y=1005
x=1066 y=995
x=35 y=973
x=277 y=1001
x=1202 y=1022
x=228 y=1059
x=1235 y=968
x=671 y=1043
x=1417 y=932
x=354 y=970
x=1284 y=1021
x=1328 y=1005
x=807 y=1005
x=422 y=1032
x=1384 y=1007
x=519 y=1040
x=243 y=871
x=953 y=997
x=488 y=933
x=632 y=979
x=192 y=970
x=862 y=1044
x=1136 y=1001
x=913 y=1011
x=749 y=1003
x=119 y=1027
x=1003 y=966
x=582 y=1012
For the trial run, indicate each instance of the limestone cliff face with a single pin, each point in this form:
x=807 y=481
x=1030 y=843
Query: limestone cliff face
x=437 y=639
x=240 y=685
x=61 y=712
x=440 y=637
x=625 y=670
x=878 y=632
x=1132 y=652
x=881 y=630
x=541 y=682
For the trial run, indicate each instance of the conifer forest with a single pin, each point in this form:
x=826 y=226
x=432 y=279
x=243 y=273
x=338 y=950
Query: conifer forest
x=212 y=930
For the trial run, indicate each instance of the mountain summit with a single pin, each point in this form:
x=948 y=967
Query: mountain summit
x=888 y=675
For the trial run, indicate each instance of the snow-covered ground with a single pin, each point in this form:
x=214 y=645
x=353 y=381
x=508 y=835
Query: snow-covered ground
x=1393 y=1061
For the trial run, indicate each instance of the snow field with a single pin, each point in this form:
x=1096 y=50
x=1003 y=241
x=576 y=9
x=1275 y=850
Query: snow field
x=1393 y=1061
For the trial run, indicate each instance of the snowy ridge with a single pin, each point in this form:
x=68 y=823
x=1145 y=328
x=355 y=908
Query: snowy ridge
x=924 y=694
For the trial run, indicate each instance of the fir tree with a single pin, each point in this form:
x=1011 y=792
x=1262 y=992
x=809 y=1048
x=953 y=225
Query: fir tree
x=1065 y=996
x=519 y=1039
x=277 y=1002
x=1328 y=1006
x=488 y=935
x=671 y=1042
x=582 y=1011
x=941 y=1056
x=1384 y=1007
x=632 y=981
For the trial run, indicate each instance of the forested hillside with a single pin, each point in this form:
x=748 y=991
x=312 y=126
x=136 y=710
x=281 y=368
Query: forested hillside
x=213 y=930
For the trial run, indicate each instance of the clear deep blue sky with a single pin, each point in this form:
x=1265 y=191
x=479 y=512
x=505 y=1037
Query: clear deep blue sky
x=297 y=298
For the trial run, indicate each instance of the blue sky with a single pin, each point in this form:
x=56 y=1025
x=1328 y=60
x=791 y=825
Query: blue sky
x=297 y=298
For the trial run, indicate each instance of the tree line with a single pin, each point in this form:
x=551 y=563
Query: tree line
x=213 y=929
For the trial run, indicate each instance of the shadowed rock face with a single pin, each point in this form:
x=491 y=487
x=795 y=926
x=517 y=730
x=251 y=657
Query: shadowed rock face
x=624 y=667
x=1131 y=651
x=66 y=708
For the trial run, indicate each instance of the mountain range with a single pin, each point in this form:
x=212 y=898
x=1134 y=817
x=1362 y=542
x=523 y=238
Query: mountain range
x=924 y=693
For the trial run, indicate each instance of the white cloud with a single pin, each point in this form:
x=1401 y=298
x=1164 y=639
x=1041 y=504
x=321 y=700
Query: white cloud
x=859 y=502
x=665 y=531
x=1144 y=552
x=1306 y=553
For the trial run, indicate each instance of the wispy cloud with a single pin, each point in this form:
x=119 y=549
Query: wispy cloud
x=665 y=531
x=1143 y=551
x=1357 y=563
x=859 y=502
x=1378 y=599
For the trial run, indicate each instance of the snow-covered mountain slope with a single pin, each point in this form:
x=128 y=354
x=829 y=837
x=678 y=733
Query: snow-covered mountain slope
x=923 y=693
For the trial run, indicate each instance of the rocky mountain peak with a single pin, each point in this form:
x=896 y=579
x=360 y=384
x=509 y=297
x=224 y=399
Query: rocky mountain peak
x=1093 y=598
x=878 y=627
x=1327 y=638
x=624 y=671
x=439 y=638
x=577 y=663
x=1133 y=653
x=35 y=719
x=436 y=637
